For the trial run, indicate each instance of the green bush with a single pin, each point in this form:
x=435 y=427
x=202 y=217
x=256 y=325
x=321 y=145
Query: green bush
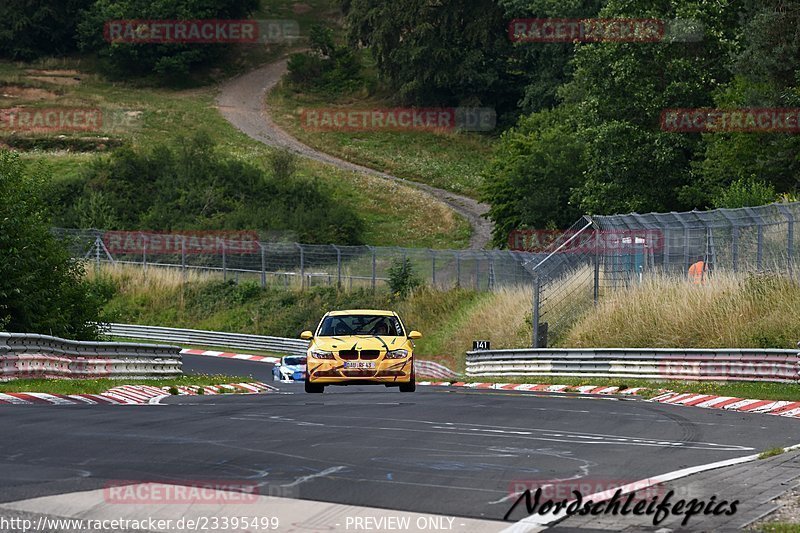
x=328 y=67
x=191 y=185
x=42 y=289
x=169 y=62
x=402 y=278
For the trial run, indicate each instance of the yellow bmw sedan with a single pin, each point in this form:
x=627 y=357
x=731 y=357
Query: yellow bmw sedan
x=360 y=346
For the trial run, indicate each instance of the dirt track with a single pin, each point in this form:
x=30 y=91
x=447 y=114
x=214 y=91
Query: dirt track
x=241 y=102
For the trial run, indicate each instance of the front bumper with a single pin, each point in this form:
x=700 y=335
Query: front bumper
x=385 y=371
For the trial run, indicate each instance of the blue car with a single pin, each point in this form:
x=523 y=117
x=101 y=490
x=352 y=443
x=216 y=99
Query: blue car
x=290 y=368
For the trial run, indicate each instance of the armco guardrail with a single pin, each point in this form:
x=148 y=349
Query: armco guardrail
x=26 y=355
x=652 y=363
x=200 y=337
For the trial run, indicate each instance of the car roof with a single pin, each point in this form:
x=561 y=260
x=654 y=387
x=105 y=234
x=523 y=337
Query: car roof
x=378 y=312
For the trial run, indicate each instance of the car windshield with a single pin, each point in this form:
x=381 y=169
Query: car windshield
x=360 y=325
x=299 y=360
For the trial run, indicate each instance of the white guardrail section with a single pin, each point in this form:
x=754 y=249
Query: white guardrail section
x=652 y=363
x=26 y=355
x=201 y=337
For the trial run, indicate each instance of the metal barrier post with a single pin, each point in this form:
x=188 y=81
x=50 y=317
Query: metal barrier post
x=224 y=263
x=596 y=284
x=374 y=267
x=433 y=268
x=535 y=312
x=302 y=267
x=183 y=256
x=263 y=265
x=458 y=269
x=338 y=265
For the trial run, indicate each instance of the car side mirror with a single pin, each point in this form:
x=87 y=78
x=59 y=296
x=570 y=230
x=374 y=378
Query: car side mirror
x=307 y=335
x=414 y=335
x=278 y=364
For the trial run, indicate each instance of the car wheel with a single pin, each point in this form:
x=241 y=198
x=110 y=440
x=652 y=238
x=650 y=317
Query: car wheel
x=411 y=386
x=314 y=388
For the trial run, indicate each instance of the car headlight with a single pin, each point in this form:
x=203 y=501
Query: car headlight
x=321 y=354
x=396 y=354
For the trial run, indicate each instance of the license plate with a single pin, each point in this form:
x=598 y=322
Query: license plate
x=359 y=364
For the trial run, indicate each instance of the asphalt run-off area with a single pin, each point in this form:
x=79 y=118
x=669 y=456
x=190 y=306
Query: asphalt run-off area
x=453 y=457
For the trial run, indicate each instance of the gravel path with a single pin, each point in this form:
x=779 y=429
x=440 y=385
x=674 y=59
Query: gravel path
x=241 y=102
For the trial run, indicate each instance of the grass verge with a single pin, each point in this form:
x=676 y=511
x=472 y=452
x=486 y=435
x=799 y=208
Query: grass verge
x=772 y=452
x=447 y=160
x=97 y=386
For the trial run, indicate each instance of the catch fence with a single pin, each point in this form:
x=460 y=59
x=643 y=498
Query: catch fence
x=303 y=265
x=604 y=253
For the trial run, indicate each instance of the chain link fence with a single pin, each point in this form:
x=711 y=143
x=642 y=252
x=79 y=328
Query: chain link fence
x=300 y=265
x=603 y=253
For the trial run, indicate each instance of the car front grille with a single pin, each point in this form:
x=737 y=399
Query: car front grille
x=367 y=355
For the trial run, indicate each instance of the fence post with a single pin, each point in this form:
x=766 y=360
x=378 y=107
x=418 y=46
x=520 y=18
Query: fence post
x=374 y=268
x=477 y=273
x=458 y=269
x=183 y=256
x=433 y=268
x=596 y=284
x=535 y=312
x=263 y=265
x=735 y=248
x=491 y=271
x=144 y=251
x=760 y=249
x=302 y=267
x=224 y=263
x=338 y=266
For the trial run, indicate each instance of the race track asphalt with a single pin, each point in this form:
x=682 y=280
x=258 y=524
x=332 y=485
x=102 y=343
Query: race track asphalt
x=442 y=450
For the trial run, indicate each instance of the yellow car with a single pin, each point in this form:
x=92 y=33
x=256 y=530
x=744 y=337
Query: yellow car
x=360 y=346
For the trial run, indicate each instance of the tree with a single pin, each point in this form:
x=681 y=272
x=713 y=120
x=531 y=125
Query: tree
x=447 y=53
x=167 y=61
x=767 y=70
x=34 y=28
x=619 y=90
x=532 y=173
x=42 y=289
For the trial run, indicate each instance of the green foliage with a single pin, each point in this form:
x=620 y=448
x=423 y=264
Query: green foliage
x=283 y=164
x=745 y=192
x=33 y=28
x=402 y=278
x=42 y=290
x=328 y=67
x=452 y=53
x=767 y=69
x=192 y=185
x=170 y=62
x=535 y=167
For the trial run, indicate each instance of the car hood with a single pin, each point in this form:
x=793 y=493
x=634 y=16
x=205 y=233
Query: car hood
x=359 y=342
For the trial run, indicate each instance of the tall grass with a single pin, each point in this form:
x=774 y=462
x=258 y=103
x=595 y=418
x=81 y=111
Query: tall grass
x=729 y=310
x=449 y=320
